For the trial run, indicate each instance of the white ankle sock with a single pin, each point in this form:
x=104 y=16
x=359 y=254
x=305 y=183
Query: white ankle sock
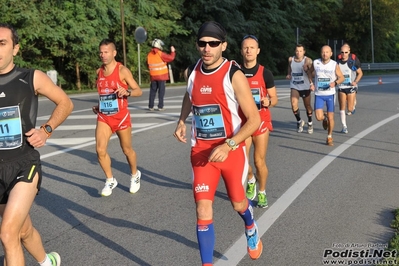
x=251 y=231
x=252 y=180
x=46 y=262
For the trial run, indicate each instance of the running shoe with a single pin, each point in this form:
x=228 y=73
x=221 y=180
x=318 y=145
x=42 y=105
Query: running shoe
x=251 y=191
x=254 y=244
x=344 y=130
x=300 y=126
x=325 y=123
x=135 y=182
x=329 y=141
x=150 y=109
x=262 y=200
x=310 y=128
x=54 y=258
x=351 y=112
x=109 y=186
x=161 y=109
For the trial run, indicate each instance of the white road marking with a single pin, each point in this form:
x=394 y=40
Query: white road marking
x=92 y=117
x=68 y=141
x=235 y=253
x=90 y=127
x=93 y=142
x=133 y=115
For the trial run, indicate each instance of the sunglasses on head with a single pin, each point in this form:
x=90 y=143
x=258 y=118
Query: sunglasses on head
x=342 y=52
x=212 y=44
x=250 y=36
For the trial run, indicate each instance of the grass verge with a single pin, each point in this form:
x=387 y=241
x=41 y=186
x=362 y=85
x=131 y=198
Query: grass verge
x=393 y=243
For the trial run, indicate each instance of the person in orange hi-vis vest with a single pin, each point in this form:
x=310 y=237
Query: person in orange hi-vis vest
x=157 y=64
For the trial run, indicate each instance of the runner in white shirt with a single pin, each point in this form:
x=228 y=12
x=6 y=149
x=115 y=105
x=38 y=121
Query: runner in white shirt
x=327 y=76
x=347 y=91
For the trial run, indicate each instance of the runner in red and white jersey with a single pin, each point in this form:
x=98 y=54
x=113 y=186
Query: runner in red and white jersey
x=216 y=90
x=113 y=115
x=261 y=82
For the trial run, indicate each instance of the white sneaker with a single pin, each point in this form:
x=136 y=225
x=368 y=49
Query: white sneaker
x=135 y=182
x=300 y=126
x=109 y=186
x=310 y=128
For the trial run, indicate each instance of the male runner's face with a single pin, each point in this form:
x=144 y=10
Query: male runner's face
x=211 y=56
x=107 y=53
x=249 y=50
x=345 y=53
x=7 y=51
x=326 y=53
x=299 y=52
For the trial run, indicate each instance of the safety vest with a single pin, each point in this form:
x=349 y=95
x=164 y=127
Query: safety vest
x=156 y=65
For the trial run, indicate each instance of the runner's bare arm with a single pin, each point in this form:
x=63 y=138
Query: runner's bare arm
x=127 y=76
x=289 y=68
x=180 y=131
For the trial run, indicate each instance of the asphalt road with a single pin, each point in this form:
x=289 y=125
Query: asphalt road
x=322 y=200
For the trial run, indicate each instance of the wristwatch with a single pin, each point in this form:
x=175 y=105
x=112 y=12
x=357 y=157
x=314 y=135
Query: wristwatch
x=232 y=144
x=47 y=129
x=128 y=91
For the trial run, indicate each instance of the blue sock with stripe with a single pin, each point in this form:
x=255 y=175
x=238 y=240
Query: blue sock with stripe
x=206 y=240
x=248 y=215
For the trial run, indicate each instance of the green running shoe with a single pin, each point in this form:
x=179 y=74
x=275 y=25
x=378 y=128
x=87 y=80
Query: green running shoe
x=262 y=200
x=54 y=258
x=251 y=191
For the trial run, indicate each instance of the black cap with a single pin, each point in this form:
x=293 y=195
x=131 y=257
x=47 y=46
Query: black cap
x=212 y=29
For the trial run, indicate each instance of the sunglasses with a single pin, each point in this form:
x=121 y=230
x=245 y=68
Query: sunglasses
x=344 y=52
x=212 y=44
x=251 y=36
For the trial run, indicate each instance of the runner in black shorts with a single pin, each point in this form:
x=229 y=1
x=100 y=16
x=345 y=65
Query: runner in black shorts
x=20 y=167
x=350 y=67
x=301 y=83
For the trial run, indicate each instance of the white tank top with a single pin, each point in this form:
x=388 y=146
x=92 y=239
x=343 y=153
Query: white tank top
x=349 y=76
x=325 y=74
x=299 y=78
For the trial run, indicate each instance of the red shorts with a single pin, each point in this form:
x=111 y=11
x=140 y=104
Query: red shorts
x=118 y=121
x=206 y=174
x=265 y=124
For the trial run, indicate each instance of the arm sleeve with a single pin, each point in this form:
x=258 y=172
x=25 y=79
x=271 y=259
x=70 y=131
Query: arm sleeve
x=190 y=70
x=168 y=57
x=357 y=62
x=233 y=70
x=269 y=78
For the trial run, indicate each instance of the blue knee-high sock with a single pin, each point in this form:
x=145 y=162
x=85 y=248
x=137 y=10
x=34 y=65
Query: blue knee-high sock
x=248 y=215
x=206 y=240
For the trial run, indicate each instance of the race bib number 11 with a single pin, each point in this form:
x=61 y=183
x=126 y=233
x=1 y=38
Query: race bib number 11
x=10 y=128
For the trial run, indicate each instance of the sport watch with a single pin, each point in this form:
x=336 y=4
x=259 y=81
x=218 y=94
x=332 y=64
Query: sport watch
x=47 y=129
x=232 y=144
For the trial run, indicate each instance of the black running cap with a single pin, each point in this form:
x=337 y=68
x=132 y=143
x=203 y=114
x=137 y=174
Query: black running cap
x=212 y=29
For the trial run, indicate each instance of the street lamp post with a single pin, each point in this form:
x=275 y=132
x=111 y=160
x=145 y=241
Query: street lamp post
x=123 y=32
x=371 y=28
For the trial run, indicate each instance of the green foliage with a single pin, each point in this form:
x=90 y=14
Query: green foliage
x=64 y=35
x=394 y=242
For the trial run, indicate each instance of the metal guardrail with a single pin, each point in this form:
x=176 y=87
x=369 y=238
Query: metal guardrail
x=380 y=66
